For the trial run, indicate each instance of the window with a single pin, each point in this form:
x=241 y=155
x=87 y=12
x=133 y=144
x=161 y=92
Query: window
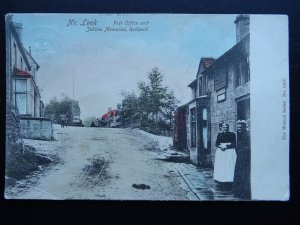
x=21 y=95
x=193 y=127
x=204 y=114
x=220 y=78
x=15 y=54
x=247 y=70
x=204 y=85
x=194 y=91
x=200 y=86
x=204 y=127
x=242 y=72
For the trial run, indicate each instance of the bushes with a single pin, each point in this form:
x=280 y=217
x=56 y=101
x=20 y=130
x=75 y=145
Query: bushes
x=159 y=128
x=20 y=160
x=14 y=141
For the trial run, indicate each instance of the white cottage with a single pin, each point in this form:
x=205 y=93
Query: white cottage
x=22 y=92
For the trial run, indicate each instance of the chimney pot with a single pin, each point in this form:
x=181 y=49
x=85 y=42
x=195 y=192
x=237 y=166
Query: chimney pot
x=19 y=29
x=242 y=26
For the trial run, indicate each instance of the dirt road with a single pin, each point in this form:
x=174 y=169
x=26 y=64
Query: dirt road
x=107 y=163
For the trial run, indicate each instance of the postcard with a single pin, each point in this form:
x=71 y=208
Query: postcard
x=185 y=107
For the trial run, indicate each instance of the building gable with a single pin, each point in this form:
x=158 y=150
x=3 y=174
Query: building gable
x=18 y=41
x=205 y=63
x=31 y=59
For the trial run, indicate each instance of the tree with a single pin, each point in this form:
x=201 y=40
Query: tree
x=156 y=98
x=155 y=104
x=169 y=107
x=144 y=100
x=66 y=106
x=130 y=109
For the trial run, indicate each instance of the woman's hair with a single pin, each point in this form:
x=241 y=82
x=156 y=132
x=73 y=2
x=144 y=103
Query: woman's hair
x=243 y=123
x=221 y=124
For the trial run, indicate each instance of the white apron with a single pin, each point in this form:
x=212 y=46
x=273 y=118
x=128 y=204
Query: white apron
x=224 y=165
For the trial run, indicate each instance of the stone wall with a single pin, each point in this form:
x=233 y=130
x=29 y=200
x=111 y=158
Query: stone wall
x=14 y=141
x=224 y=110
x=36 y=128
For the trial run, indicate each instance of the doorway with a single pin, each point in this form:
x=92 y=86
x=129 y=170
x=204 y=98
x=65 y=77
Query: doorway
x=243 y=110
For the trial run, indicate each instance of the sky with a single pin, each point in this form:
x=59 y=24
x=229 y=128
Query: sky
x=105 y=63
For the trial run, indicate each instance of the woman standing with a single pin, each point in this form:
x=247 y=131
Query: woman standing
x=241 y=185
x=225 y=157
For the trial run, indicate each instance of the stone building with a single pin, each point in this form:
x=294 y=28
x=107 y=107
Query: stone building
x=220 y=92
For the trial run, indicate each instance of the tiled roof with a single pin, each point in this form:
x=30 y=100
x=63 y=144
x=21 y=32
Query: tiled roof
x=109 y=114
x=205 y=63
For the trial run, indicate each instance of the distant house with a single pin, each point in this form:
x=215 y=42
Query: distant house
x=197 y=114
x=110 y=119
x=220 y=92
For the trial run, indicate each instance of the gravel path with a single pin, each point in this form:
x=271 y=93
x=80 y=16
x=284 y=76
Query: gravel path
x=105 y=163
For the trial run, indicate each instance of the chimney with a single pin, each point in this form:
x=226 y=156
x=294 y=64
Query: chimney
x=30 y=50
x=242 y=26
x=19 y=29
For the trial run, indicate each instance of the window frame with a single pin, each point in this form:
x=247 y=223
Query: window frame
x=242 y=72
x=200 y=86
x=17 y=92
x=15 y=54
x=193 y=126
x=205 y=125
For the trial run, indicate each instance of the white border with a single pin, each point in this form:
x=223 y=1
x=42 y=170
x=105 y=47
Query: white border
x=269 y=67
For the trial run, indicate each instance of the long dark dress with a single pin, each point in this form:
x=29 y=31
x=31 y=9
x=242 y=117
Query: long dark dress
x=241 y=185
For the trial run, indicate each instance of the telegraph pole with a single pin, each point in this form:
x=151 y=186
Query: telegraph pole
x=73 y=99
x=73 y=84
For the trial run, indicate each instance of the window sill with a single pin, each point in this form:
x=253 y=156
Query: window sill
x=202 y=96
